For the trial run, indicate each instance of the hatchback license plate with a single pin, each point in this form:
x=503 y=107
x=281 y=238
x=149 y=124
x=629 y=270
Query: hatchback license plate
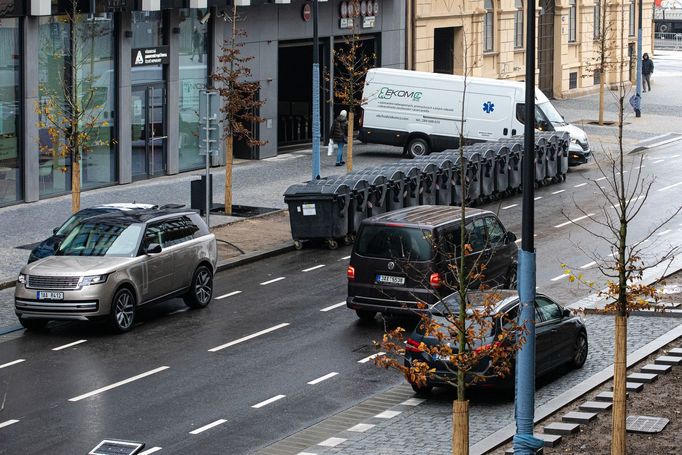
x=388 y=279
x=44 y=295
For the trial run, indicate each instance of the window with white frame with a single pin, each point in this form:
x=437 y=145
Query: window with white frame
x=518 y=24
x=488 y=26
x=596 y=20
x=572 y=21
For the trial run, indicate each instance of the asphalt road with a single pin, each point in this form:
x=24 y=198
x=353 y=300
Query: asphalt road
x=258 y=365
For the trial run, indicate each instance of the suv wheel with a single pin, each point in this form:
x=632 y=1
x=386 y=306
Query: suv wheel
x=422 y=390
x=201 y=290
x=34 y=325
x=365 y=315
x=123 y=311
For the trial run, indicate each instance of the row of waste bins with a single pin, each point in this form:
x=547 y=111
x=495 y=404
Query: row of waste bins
x=332 y=209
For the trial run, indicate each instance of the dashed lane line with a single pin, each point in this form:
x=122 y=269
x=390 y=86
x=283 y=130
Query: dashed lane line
x=537 y=198
x=323 y=378
x=264 y=283
x=579 y=185
x=118 y=384
x=336 y=305
x=181 y=310
x=665 y=188
x=59 y=348
x=574 y=220
x=150 y=451
x=310 y=269
x=229 y=294
x=600 y=179
x=8 y=423
x=208 y=427
x=560 y=277
x=13 y=362
x=509 y=206
x=588 y=265
x=368 y=358
x=658 y=161
x=667 y=231
x=559 y=191
x=268 y=401
x=248 y=337
x=344 y=258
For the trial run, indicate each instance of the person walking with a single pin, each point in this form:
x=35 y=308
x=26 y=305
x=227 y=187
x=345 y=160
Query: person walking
x=647 y=71
x=338 y=135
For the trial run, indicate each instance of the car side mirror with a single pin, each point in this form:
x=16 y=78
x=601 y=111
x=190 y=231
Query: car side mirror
x=510 y=237
x=567 y=313
x=153 y=248
x=55 y=230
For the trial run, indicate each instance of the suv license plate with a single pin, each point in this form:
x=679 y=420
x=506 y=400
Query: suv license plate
x=43 y=295
x=388 y=279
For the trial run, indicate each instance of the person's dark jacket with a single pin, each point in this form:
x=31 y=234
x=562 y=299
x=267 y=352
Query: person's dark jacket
x=647 y=66
x=338 y=131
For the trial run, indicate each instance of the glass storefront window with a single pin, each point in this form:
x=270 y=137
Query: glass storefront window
x=193 y=58
x=10 y=82
x=95 y=82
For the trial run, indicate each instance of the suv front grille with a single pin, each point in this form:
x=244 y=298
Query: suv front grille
x=53 y=282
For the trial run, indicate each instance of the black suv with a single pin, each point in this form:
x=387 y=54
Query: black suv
x=404 y=257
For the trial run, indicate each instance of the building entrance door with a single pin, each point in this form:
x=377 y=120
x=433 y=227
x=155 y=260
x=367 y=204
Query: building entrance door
x=148 y=130
x=546 y=47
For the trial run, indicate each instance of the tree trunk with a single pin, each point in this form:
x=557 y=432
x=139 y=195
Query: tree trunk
x=601 y=98
x=460 y=426
x=75 y=186
x=619 y=391
x=349 y=140
x=229 y=152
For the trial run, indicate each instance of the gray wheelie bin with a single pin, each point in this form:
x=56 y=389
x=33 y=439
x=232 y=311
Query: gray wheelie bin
x=412 y=179
x=563 y=141
x=359 y=196
x=515 y=147
x=551 y=147
x=318 y=212
x=472 y=175
x=378 y=190
x=445 y=178
x=396 y=185
x=427 y=181
x=487 y=159
x=540 y=160
x=502 y=170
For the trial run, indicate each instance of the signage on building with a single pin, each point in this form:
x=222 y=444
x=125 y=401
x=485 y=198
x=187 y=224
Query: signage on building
x=368 y=22
x=366 y=10
x=306 y=12
x=150 y=56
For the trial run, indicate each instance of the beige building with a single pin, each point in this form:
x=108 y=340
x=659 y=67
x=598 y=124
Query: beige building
x=492 y=36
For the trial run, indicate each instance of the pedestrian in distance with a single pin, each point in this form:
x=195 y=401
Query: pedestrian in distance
x=647 y=71
x=338 y=135
x=197 y=44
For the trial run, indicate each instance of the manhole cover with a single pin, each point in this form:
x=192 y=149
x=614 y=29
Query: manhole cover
x=114 y=447
x=645 y=424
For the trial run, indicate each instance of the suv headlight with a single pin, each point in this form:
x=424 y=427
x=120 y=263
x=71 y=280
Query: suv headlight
x=93 y=279
x=22 y=278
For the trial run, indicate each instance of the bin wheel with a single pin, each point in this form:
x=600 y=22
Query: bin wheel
x=333 y=244
x=563 y=177
x=298 y=245
x=349 y=239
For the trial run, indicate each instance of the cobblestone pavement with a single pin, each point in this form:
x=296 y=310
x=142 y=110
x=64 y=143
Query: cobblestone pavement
x=426 y=428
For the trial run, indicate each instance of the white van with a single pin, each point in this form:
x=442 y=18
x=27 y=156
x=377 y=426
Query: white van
x=422 y=112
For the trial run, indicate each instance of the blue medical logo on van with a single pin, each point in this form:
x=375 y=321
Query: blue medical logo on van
x=386 y=93
x=488 y=107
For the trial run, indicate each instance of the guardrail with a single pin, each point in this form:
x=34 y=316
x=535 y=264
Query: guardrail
x=668 y=40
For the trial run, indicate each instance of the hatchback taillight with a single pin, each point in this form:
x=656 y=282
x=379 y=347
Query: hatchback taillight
x=350 y=273
x=434 y=280
x=412 y=346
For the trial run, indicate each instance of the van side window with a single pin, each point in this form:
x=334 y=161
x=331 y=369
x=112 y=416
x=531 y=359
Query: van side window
x=476 y=235
x=495 y=230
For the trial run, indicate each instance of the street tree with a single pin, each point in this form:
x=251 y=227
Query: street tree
x=239 y=97
x=69 y=109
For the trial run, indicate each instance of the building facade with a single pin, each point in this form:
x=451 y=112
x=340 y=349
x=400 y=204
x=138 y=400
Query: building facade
x=142 y=64
x=492 y=35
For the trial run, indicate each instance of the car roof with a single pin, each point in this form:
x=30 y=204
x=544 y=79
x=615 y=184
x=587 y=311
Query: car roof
x=425 y=215
x=125 y=206
x=141 y=216
x=507 y=298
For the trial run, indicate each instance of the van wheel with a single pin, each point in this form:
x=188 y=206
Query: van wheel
x=33 y=325
x=365 y=315
x=201 y=289
x=122 y=315
x=418 y=147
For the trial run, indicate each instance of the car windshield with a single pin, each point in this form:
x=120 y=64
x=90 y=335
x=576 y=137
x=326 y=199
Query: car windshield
x=102 y=238
x=552 y=114
x=77 y=218
x=391 y=242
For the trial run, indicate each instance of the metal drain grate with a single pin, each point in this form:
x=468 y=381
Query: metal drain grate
x=114 y=447
x=645 y=424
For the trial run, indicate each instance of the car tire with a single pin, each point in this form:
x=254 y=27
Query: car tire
x=201 y=289
x=366 y=316
x=511 y=281
x=422 y=390
x=123 y=311
x=33 y=325
x=418 y=147
x=580 y=353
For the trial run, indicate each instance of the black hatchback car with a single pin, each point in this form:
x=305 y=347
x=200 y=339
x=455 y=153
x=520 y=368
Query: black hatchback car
x=560 y=339
x=404 y=257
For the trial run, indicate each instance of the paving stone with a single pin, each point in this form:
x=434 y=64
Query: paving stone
x=551 y=440
x=607 y=396
x=562 y=428
x=658 y=369
x=644 y=378
x=633 y=386
x=595 y=406
x=668 y=360
x=675 y=352
x=579 y=417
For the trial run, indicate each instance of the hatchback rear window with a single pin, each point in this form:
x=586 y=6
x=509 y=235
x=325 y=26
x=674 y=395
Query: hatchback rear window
x=391 y=242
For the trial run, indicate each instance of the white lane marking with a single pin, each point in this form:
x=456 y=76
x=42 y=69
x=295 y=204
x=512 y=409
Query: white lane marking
x=248 y=337
x=331 y=442
x=368 y=358
x=413 y=402
x=181 y=310
x=670 y=186
x=588 y=265
x=336 y=305
x=537 y=198
x=344 y=258
x=272 y=281
x=579 y=185
x=509 y=206
x=306 y=453
x=313 y=268
x=8 y=423
x=667 y=231
x=560 y=277
x=574 y=220
x=387 y=414
x=673 y=156
x=600 y=179
x=229 y=294
x=14 y=362
x=59 y=348
x=208 y=427
x=118 y=384
x=361 y=427
x=557 y=192
x=658 y=161
x=150 y=451
x=323 y=378
x=268 y=401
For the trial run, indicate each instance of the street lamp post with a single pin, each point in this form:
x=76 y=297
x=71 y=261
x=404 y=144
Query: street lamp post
x=638 y=111
x=316 y=97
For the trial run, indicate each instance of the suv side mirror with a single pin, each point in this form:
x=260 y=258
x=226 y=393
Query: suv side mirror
x=509 y=237
x=153 y=248
x=567 y=313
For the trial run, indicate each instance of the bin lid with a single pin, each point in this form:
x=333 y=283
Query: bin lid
x=314 y=191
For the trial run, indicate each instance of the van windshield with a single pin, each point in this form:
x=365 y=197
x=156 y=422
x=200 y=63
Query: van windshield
x=552 y=114
x=392 y=242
